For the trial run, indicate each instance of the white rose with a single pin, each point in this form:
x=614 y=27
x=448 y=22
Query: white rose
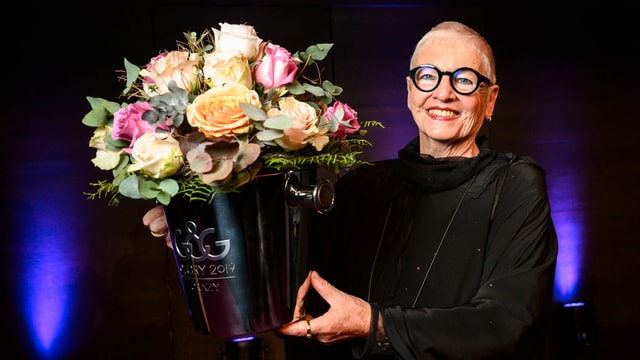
x=105 y=159
x=157 y=155
x=243 y=38
x=224 y=67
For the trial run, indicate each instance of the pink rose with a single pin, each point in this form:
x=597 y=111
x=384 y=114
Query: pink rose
x=347 y=123
x=129 y=125
x=276 y=68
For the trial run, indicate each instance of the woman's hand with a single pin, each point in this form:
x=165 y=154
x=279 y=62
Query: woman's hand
x=157 y=223
x=348 y=317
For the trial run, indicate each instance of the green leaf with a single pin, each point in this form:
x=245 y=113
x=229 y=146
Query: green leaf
x=96 y=117
x=129 y=187
x=163 y=198
x=96 y=102
x=132 y=75
x=169 y=186
x=115 y=145
x=162 y=190
x=268 y=135
x=319 y=51
x=280 y=121
x=253 y=111
x=296 y=88
x=148 y=188
x=331 y=88
x=100 y=111
x=315 y=90
x=110 y=106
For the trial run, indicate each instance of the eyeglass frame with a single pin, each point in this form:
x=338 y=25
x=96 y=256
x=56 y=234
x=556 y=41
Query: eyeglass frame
x=481 y=78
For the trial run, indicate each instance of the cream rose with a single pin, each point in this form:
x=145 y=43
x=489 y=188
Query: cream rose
x=105 y=159
x=157 y=155
x=179 y=66
x=305 y=125
x=217 y=112
x=243 y=38
x=224 y=67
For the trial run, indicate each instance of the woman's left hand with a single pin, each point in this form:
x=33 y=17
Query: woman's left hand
x=348 y=316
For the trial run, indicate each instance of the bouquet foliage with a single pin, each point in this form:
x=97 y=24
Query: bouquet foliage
x=215 y=113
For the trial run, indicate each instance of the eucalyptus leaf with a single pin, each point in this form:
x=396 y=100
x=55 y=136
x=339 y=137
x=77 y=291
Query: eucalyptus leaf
x=319 y=51
x=163 y=198
x=339 y=113
x=96 y=102
x=331 y=88
x=132 y=74
x=313 y=89
x=129 y=187
x=100 y=111
x=169 y=186
x=280 y=121
x=268 y=135
x=148 y=187
x=96 y=117
x=113 y=144
x=112 y=107
x=296 y=88
x=253 y=111
x=335 y=123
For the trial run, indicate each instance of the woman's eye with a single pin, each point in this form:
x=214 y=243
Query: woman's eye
x=464 y=81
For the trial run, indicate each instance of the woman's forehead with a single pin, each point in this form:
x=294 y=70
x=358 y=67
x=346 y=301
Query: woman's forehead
x=450 y=53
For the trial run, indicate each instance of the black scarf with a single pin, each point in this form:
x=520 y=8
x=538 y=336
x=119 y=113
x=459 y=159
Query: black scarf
x=440 y=174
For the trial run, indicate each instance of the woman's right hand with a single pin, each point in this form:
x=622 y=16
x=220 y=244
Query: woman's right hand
x=157 y=223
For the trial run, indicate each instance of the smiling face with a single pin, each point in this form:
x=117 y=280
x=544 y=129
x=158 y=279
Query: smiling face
x=447 y=121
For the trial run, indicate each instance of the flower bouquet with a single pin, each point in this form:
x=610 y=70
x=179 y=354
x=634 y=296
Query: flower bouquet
x=208 y=130
x=208 y=117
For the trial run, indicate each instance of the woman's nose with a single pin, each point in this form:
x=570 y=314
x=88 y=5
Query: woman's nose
x=444 y=90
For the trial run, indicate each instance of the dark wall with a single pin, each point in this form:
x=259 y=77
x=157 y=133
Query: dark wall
x=568 y=98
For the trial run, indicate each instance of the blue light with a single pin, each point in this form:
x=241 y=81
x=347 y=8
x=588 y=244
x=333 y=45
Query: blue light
x=45 y=277
x=243 y=339
x=47 y=299
x=568 y=268
x=573 y=304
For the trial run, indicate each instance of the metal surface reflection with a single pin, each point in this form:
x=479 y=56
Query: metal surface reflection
x=242 y=257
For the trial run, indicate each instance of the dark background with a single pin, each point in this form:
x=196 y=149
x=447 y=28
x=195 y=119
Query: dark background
x=568 y=97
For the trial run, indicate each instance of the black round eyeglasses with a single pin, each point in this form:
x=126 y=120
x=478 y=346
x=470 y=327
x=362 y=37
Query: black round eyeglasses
x=464 y=80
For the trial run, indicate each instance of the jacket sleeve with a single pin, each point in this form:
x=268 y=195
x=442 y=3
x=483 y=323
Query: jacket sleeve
x=507 y=317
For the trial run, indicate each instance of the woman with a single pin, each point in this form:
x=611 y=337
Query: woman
x=448 y=251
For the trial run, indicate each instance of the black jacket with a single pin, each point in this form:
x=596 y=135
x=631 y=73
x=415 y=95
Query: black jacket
x=457 y=275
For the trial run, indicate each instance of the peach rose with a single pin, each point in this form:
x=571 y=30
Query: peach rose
x=305 y=125
x=217 y=112
x=179 y=66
